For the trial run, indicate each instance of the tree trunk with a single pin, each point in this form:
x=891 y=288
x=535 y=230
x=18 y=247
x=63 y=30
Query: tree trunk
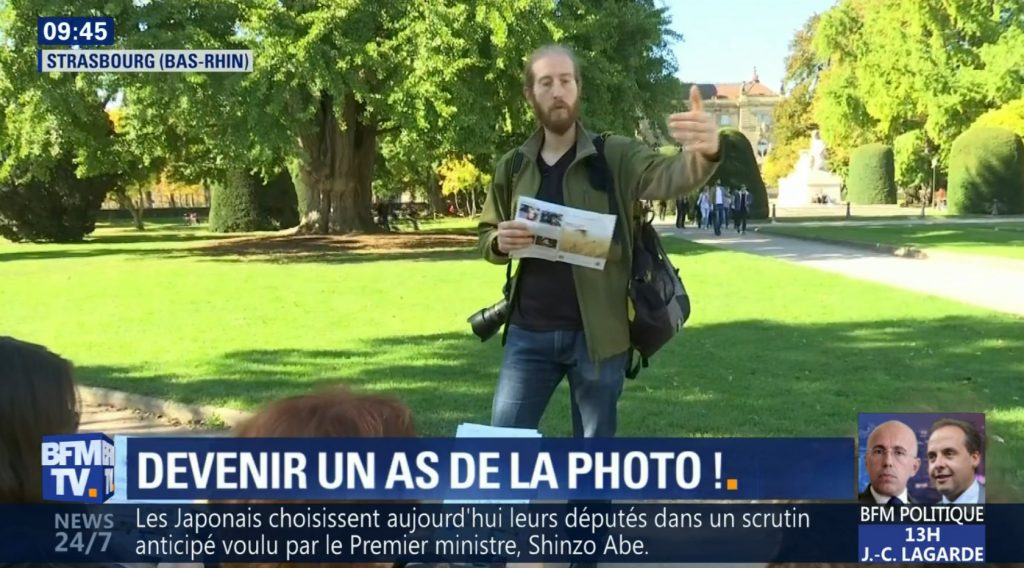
x=336 y=172
x=127 y=203
x=434 y=196
x=356 y=153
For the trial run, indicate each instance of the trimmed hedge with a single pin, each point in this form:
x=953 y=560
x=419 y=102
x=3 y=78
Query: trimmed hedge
x=739 y=167
x=872 y=177
x=986 y=165
x=234 y=204
x=61 y=208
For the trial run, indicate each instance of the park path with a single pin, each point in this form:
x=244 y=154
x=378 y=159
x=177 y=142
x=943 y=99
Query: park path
x=996 y=284
x=112 y=421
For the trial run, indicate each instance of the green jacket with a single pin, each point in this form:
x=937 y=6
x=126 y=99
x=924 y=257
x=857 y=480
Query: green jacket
x=639 y=173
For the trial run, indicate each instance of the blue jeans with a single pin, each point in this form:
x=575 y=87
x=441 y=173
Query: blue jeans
x=535 y=363
x=719 y=218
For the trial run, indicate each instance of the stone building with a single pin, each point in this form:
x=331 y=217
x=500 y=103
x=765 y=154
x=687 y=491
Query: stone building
x=745 y=106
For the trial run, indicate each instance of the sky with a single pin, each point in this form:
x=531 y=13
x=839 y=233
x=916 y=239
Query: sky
x=723 y=40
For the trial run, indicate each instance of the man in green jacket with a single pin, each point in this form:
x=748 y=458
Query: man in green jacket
x=569 y=320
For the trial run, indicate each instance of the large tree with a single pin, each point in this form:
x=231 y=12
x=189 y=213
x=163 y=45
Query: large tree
x=792 y=120
x=337 y=84
x=900 y=65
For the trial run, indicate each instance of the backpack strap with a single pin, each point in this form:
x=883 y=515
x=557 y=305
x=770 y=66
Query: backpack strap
x=515 y=165
x=601 y=179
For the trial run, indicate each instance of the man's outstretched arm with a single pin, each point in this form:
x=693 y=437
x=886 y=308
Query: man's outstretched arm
x=665 y=177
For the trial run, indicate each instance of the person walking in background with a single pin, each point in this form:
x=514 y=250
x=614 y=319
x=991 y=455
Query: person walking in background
x=742 y=209
x=727 y=206
x=682 y=207
x=705 y=209
x=719 y=203
x=662 y=209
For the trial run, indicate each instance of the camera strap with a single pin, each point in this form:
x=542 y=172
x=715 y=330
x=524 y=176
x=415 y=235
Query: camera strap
x=515 y=166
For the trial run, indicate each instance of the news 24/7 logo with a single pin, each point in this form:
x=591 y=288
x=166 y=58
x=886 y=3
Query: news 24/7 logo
x=78 y=468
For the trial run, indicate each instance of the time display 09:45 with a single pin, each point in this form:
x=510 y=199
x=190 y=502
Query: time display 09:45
x=61 y=30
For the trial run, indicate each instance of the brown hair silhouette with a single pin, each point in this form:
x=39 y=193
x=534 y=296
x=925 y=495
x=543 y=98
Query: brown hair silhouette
x=332 y=413
x=37 y=398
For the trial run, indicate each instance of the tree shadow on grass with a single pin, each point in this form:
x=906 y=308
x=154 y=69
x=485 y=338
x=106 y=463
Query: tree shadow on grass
x=747 y=378
x=270 y=248
x=158 y=236
x=80 y=252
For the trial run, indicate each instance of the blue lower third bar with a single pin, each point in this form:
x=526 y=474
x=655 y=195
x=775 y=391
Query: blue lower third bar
x=921 y=543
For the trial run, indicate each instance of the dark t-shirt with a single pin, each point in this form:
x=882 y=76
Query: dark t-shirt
x=546 y=297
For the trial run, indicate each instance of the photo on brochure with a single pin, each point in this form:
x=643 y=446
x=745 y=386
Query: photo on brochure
x=565 y=234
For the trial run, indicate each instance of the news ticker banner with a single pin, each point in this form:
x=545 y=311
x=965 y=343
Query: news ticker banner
x=488 y=532
x=439 y=469
x=95 y=31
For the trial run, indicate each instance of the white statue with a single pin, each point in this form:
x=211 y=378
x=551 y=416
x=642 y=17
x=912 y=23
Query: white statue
x=818 y=151
x=810 y=181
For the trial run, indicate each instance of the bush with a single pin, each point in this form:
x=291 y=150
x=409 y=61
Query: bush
x=871 y=178
x=234 y=204
x=60 y=208
x=739 y=167
x=986 y=165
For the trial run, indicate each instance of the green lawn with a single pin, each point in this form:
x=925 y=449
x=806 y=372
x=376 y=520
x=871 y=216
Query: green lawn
x=773 y=349
x=995 y=239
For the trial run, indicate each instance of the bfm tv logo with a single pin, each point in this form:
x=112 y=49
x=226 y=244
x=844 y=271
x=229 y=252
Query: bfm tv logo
x=78 y=468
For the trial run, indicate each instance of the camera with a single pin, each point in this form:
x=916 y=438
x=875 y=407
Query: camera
x=489 y=320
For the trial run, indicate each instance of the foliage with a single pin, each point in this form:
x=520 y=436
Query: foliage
x=901 y=65
x=277 y=200
x=871 y=179
x=913 y=165
x=56 y=206
x=792 y=120
x=987 y=167
x=234 y=204
x=1009 y=116
x=458 y=174
x=781 y=160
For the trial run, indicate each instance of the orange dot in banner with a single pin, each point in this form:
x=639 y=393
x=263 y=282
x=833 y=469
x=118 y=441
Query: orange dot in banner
x=732 y=484
x=92 y=493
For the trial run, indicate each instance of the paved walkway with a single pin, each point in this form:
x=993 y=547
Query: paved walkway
x=994 y=284
x=111 y=421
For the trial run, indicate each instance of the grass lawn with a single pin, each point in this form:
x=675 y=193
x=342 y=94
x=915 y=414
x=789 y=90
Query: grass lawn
x=994 y=239
x=773 y=349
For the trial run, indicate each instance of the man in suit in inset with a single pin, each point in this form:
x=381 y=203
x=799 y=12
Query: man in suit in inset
x=954 y=454
x=891 y=460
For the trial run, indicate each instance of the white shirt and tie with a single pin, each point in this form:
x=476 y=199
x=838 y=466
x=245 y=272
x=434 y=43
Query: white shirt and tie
x=719 y=195
x=885 y=499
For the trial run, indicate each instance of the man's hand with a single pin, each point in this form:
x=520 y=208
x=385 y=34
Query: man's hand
x=513 y=235
x=695 y=129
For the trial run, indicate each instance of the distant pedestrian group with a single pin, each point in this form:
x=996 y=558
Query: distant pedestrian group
x=716 y=206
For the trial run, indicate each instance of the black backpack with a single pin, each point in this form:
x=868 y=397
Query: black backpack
x=658 y=303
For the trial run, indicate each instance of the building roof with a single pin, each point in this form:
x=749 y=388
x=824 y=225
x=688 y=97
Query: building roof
x=732 y=91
